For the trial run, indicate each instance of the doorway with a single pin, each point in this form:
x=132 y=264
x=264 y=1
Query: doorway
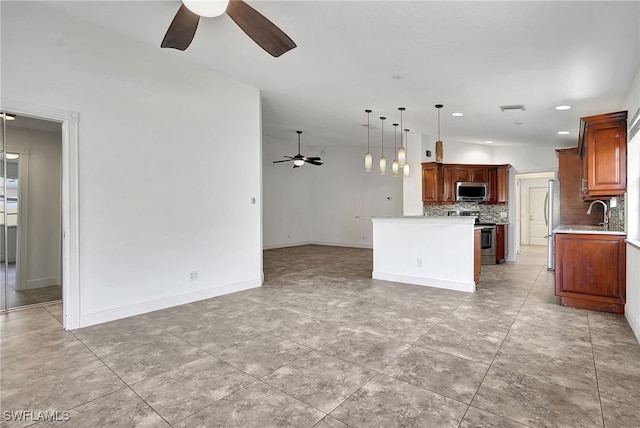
x=531 y=193
x=30 y=205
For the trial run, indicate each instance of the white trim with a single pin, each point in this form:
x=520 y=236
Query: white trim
x=42 y=282
x=325 y=243
x=429 y=282
x=116 y=313
x=70 y=215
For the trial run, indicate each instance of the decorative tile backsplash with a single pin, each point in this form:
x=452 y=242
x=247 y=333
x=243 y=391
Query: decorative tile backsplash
x=488 y=212
x=616 y=215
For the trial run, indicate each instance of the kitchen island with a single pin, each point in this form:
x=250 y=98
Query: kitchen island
x=431 y=251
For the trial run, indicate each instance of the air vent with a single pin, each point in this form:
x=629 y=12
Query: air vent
x=515 y=107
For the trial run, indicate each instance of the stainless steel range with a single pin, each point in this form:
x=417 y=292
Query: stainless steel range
x=487 y=236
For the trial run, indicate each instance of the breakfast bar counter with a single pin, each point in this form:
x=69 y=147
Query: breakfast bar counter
x=430 y=251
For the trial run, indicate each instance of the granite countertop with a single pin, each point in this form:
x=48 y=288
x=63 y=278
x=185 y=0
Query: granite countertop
x=586 y=229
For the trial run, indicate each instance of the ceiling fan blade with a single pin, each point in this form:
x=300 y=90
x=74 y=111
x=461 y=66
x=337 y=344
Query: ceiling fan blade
x=286 y=160
x=313 y=162
x=262 y=31
x=182 y=29
x=313 y=158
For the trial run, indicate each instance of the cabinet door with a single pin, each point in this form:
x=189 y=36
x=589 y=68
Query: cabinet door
x=431 y=183
x=461 y=174
x=590 y=271
x=479 y=175
x=449 y=184
x=603 y=148
x=501 y=242
x=502 y=184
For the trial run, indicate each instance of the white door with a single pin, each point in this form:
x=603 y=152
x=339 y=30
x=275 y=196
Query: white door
x=537 y=225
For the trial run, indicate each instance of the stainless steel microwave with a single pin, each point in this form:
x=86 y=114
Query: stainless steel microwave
x=472 y=192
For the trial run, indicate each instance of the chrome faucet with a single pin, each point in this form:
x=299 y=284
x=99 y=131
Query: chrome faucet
x=605 y=223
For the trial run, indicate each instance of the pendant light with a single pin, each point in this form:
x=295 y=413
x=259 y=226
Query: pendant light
x=406 y=170
x=439 y=153
x=402 y=152
x=394 y=164
x=383 y=160
x=368 y=157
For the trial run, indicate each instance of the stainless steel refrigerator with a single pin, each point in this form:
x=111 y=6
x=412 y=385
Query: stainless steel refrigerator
x=552 y=219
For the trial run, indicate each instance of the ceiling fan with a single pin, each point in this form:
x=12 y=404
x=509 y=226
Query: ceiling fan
x=262 y=31
x=299 y=160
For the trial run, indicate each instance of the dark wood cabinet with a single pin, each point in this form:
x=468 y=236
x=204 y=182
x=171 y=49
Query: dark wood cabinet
x=602 y=145
x=431 y=182
x=590 y=271
x=573 y=208
x=477 y=255
x=439 y=181
x=502 y=246
x=502 y=184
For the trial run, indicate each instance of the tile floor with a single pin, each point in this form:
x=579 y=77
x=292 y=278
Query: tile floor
x=323 y=345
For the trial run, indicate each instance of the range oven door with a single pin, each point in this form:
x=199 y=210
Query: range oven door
x=488 y=244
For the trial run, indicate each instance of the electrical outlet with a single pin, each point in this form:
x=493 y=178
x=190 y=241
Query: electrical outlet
x=613 y=202
x=504 y=214
x=193 y=276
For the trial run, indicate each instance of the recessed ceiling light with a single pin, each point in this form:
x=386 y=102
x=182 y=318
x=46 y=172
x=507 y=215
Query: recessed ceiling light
x=488 y=142
x=457 y=114
x=564 y=132
x=563 y=107
x=12 y=156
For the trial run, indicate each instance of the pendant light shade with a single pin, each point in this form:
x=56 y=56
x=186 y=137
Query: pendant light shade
x=394 y=165
x=402 y=152
x=383 y=160
x=439 y=149
x=368 y=157
x=406 y=170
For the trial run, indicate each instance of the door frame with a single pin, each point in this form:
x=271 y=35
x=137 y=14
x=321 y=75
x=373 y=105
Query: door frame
x=70 y=213
x=522 y=186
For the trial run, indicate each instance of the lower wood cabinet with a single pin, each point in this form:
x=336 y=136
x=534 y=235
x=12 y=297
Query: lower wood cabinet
x=591 y=271
x=477 y=255
x=502 y=247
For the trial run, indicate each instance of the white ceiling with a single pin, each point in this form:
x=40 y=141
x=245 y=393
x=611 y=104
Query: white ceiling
x=470 y=56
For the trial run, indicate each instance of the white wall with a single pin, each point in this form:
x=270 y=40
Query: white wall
x=528 y=158
x=632 y=217
x=41 y=267
x=158 y=196
x=319 y=204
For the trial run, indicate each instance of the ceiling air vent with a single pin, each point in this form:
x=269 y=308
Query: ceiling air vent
x=515 y=107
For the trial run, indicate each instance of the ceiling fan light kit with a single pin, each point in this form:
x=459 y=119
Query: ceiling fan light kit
x=262 y=31
x=299 y=160
x=207 y=8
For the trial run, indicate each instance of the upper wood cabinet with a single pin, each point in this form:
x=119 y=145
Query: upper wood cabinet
x=431 y=182
x=602 y=145
x=439 y=181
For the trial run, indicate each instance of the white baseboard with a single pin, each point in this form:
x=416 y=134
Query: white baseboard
x=329 y=244
x=113 y=314
x=429 y=282
x=40 y=283
x=634 y=323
